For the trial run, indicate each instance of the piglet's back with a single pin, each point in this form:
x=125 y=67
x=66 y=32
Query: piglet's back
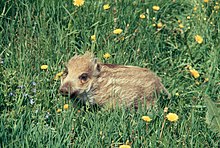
x=127 y=85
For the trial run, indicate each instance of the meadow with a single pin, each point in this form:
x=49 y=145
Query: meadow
x=177 y=39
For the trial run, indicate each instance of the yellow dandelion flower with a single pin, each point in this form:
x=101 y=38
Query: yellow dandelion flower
x=146 y=118
x=194 y=73
x=206 y=80
x=216 y=7
x=58 y=75
x=206 y=1
x=153 y=25
x=66 y=106
x=78 y=3
x=117 y=31
x=181 y=26
x=93 y=38
x=44 y=67
x=188 y=17
x=106 y=7
x=142 y=16
x=156 y=8
x=124 y=146
x=179 y=21
x=195 y=8
x=172 y=117
x=199 y=39
x=159 y=25
x=107 y=55
x=59 y=110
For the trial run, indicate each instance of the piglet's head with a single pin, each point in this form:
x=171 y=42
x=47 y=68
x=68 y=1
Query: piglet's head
x=79 y=75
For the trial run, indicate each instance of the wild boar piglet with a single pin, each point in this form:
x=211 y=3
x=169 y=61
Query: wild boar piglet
x=109 y=85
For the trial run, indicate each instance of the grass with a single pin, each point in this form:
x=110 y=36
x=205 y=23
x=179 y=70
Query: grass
x=33 y=33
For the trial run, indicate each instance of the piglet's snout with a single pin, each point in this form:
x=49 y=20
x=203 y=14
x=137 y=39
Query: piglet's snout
x=66 y=88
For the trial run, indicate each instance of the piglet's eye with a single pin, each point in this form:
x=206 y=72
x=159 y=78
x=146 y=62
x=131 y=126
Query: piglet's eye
x=83 y=77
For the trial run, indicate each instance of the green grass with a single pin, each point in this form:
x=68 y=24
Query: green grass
x=33 y=33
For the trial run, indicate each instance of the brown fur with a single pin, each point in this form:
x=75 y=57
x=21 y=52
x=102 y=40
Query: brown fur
x=109 y=84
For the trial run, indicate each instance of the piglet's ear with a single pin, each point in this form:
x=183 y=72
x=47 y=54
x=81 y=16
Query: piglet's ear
x=96 y=67
x=96 y=64
x=95 y=60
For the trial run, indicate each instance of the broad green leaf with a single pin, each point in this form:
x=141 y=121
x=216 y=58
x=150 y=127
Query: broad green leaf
x=212 y=115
